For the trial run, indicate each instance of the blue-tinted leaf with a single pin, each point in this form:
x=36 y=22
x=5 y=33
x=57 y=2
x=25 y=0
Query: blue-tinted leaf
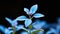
x=19 y=27
x=58 y=28
x=40 y=32
x=9 y=28
x=26 y=10
x=2 y=28
x=51 y=31
x=24 y=33
x=12 y=22
x=28 y=22
x=7 y=31
x=51 y=25
x=33 y=30
x=21 y=18
x=58 y=20
x=38 y=24
x=9 y=20
x=33 y=9
x=37 y=15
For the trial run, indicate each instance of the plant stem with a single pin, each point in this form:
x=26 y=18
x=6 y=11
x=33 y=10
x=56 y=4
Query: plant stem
x=13 y=30
x=29 y=32
x=30 y=27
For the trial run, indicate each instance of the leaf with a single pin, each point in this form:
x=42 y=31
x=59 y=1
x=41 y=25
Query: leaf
x=21 y=18
x=35 y=32
x=24 y=33
x=9 y=27
x=7 y=31
x=26 y=10
x=28 y=22
x=33 y=9
x=19 y=27
x=12 y=22
x=58 y=20
x=58 y=28
x=38 y=24
x=37 y=15
x=2 y=28
x=41 y=32
x=9 y=20
x=52 y=30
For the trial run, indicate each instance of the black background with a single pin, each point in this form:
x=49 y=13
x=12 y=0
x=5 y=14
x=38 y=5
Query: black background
x=13 y=9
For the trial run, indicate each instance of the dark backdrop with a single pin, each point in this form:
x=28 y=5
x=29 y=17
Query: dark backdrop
x=13 y=9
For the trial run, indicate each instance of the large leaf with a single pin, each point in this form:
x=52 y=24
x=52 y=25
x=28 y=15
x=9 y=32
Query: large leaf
x=26 y=10
x=21 y=18
x=37 y=15
x=28 y=22
x=33 y=9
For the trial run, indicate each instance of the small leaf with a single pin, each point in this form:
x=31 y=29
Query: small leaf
x=52 y=30
x=26 y=10
x=33 y=9
x=19 y=27
x=2 y=28
x=9 y=20
x=41 y=32
x=7 y=31
x=28 y=22
x=36 y=31
x=24 y=33
x=38 y=24
x=9 y=27
x=21 y=18
x=58 y=20
x=37 y=15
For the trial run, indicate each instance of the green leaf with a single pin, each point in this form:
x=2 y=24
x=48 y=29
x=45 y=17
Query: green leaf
x=35 y=32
